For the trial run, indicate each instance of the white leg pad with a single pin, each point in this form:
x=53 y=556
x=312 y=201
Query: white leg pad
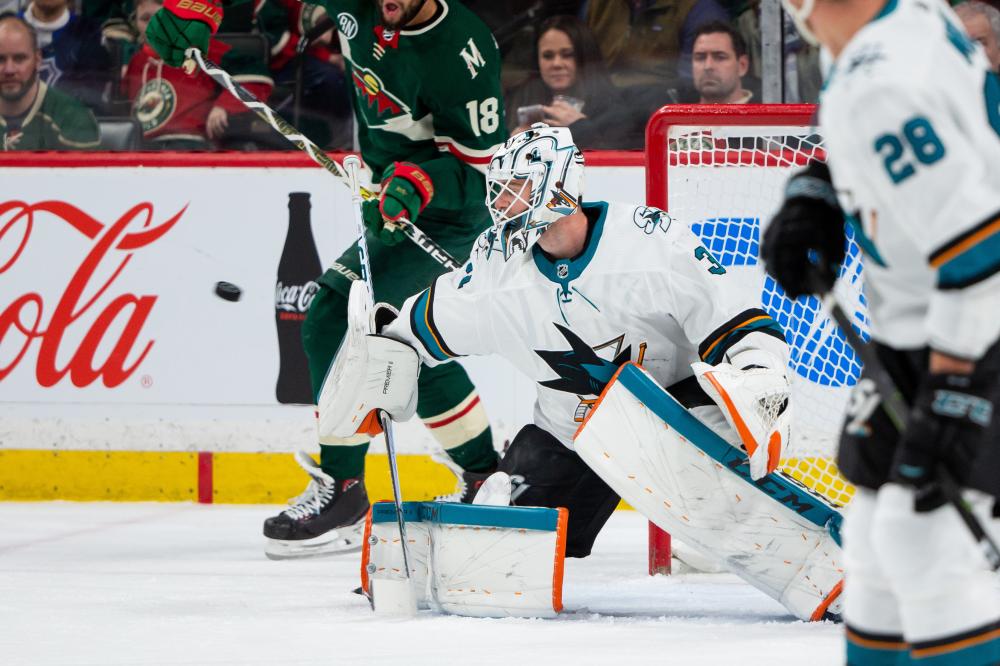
x=682 y=490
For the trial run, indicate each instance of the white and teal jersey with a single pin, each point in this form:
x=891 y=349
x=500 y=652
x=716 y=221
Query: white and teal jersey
x=911 y=116
x=644 y=289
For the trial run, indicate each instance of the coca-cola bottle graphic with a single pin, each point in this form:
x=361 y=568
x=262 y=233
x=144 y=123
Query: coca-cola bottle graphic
x=298 y=270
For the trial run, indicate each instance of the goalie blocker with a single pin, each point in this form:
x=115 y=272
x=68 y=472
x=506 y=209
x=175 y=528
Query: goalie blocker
x=679 y=469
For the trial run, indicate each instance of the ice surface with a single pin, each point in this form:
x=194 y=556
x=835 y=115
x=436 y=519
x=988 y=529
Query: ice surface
x=181 y=584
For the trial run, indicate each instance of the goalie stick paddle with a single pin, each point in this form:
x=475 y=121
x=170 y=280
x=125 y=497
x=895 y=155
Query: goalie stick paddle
x=896 y=409
x=195 y=60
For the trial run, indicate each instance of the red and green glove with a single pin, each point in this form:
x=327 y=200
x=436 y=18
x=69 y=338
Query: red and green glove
x=406 y=191
x=182 y=24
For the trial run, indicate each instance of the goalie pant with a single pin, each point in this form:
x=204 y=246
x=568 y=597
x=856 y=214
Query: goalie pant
x=909 y=114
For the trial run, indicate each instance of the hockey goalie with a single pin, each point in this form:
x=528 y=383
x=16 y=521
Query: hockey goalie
x=602 y=305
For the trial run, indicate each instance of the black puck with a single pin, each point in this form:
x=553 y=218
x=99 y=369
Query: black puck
x=228 y=291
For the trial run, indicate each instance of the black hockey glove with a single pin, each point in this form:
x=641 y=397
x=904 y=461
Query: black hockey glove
x=948 y=421
x=804 y=244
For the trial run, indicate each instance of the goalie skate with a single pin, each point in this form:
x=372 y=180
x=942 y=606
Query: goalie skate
x=467 y=484
x=327 y=519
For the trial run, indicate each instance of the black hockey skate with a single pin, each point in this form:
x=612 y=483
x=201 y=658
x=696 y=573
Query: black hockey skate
x=328 y=518
x=467 y=483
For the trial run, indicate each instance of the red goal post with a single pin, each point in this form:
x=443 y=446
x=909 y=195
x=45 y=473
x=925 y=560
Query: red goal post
x=721 y=169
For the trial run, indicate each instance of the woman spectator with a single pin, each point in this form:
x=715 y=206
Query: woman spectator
x=181 y=112
x=569 y=87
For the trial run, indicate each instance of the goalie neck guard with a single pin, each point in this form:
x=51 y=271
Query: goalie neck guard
x=534 y=179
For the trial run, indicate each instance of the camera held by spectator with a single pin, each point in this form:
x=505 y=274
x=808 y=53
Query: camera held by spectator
x=34 y=116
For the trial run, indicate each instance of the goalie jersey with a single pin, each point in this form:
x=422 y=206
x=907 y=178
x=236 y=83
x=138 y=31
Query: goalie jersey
x=643 y=289
x=912 y=129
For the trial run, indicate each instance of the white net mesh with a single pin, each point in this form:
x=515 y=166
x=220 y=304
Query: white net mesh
x=726 y=182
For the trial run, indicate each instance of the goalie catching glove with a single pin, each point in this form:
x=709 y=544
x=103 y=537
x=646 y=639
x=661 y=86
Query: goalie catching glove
x=755 y=404
x=370 y=373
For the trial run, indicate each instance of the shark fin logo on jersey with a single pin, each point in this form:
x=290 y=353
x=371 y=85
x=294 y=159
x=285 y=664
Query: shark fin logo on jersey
x=562 y=203
x=370 y=87
x=581 y=369
x=650 y=219
x=472 y=58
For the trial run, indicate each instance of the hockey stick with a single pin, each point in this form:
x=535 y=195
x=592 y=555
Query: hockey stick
x=896 y=409
x=195 y=59
x=353 y=165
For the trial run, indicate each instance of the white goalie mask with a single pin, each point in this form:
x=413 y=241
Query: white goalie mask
x=800 y=16
x=534 y=179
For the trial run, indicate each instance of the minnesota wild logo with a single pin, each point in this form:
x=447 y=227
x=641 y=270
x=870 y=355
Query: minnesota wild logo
x=155 y=104
x=369 y=87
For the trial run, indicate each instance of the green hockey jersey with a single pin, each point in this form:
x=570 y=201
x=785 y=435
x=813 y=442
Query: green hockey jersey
x=427 y=94
x=55 y=121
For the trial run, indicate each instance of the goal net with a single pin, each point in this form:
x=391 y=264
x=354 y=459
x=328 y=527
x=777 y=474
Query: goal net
x=722 y=170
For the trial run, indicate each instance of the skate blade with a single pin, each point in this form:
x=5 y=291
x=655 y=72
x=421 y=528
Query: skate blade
x=335 y=542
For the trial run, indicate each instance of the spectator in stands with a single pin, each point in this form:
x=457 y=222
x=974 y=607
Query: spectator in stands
x=182 y=112
x=325 y=113
x=32 y=115
x=73 y=58
x=982 y=22
x=719 y=62
x=648 y=42
x=569 y=87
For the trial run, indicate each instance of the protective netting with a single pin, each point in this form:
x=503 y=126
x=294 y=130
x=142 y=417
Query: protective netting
x=726 y=182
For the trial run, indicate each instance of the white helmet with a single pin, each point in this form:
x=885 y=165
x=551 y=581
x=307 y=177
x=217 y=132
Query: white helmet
x=534 y=179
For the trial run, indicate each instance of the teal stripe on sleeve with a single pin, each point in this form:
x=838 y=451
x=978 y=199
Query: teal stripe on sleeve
x=422 y=324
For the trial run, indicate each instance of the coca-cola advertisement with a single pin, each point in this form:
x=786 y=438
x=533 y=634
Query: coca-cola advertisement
x=298 y=271
x=108 y=294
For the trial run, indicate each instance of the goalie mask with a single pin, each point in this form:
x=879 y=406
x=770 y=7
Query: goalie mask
x=534 y=179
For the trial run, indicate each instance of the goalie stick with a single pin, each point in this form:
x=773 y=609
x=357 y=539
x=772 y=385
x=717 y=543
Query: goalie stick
x=896 y=409
x=195 y=59
x=353 y=165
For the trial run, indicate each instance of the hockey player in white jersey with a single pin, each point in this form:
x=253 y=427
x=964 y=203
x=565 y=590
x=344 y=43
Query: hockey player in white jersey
x=911 y=117
x=570 y=293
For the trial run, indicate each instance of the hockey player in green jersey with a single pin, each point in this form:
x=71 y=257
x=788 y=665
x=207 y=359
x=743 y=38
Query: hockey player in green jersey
x=425 y=85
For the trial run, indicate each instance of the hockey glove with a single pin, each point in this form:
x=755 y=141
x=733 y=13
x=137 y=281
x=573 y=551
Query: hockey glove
x=804 y=244
x=182 y=24
x=406 y=191
x=948 y=421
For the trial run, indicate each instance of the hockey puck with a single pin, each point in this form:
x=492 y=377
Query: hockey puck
x=228 y=291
